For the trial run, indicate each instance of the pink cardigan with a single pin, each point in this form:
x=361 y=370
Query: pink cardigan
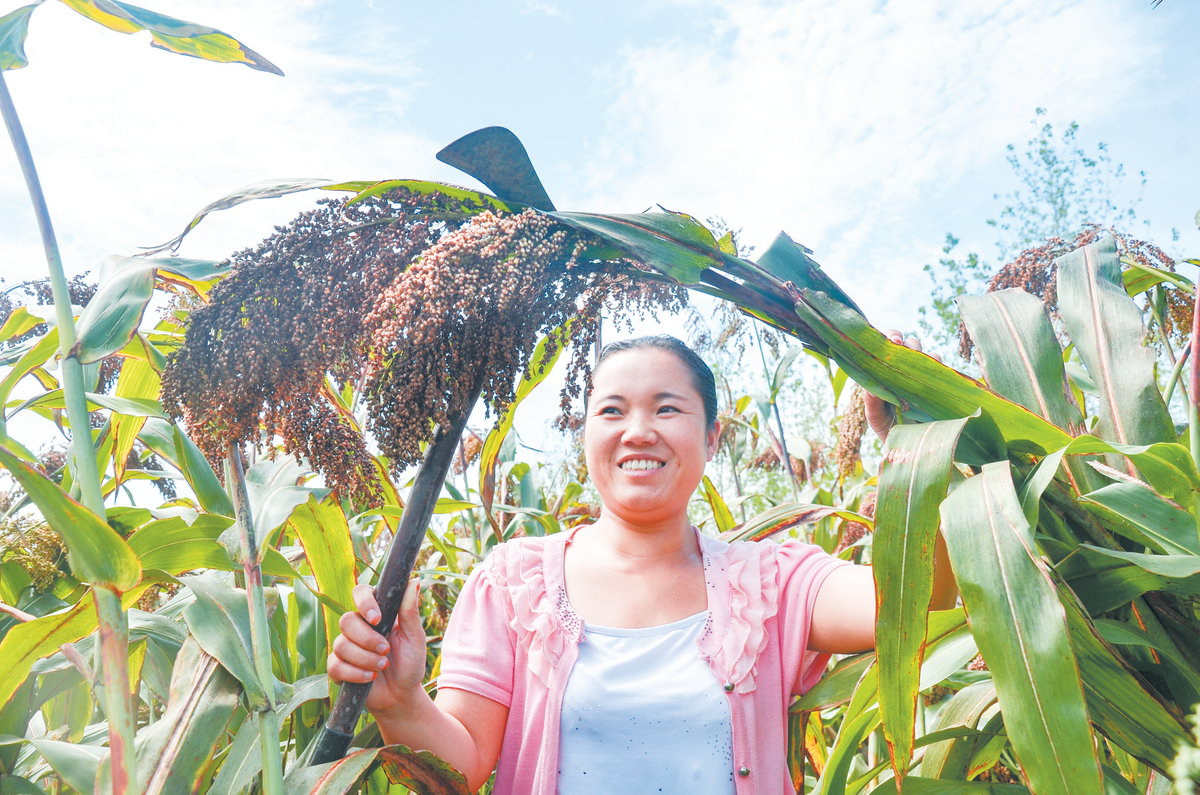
x=513 y=638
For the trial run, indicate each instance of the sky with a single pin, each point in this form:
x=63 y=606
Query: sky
x=865 y=129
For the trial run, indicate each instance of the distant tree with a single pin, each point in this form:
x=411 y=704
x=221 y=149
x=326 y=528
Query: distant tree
x=1061 y=189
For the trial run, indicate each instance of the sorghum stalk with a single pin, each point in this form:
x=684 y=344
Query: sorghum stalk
x=114 y=634
x=260 y=635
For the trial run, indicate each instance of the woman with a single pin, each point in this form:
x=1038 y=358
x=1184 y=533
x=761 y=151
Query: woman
x=635 y=654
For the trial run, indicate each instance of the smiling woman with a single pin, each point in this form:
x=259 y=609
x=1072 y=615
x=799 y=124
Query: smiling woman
x=634 y=649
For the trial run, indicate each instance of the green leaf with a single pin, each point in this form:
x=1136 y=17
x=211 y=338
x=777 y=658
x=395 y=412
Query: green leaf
x=950 y=759
x=1107 y=579
x=112 y=317
x=266 y=189
x=915 y=381
x=172 y=444
x=1139 y=277
x=243 y=760
x=420 y=771
x=171 y=34
x=930 y=786
x=19 y=322
x=30 y=641
x=32 y=359
x=1021 y=629
x=173 y=546
x=837 y=686
x=720 y=511
x=194 y=270
x=1106 y=327
x=541 y=363
x=174 y=752
x=1021 y=359
x=673 y=243
x=1138 y=513
x=130 y=407
x=14 y=27
x=322 y=529
x=1119 y=701
x=912 y=484
x=274 y=493
x=785 y=517
x=219 y=620
x=75 y=762
x=138 y=381
x=497 y=158
x=97 y=554
x=788 y=261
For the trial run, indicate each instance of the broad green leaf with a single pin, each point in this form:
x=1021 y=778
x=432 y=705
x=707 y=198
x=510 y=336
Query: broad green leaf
x=673 y=243
x=1021 y=629
x=194 y=270
x=219 y=620
x=171 y=34
x=912 y=484
x=274 y=492
x=16 y=785
x=1138 y=513
x=852 y=733
x=97 y=554
x=112 y=317
x=420 y=771
x=785 y=517
x=779 y=379
x=75 y=762
x=497 y=158
x=541 y=362
x=243 y=760
x=951 y=758
x=915 y=381
x=1185 y=682
x=1118 y=700
x=32 y=359
x=470 y=198
x=1139 y=277
x=28 y=642
x=1021 y=359
x=14 y=27
x=266 y=189
x=788 y=261
x=1106 y=327
x=446 y=505
x=172 y=444
x=322 y=529
x=929 y=786
x=175 y=751
x=837 y=686
x=173 y=546
x=19 y=322
x=1107 y=579
x=130 y=407
x=137 y=381
x=722 y=516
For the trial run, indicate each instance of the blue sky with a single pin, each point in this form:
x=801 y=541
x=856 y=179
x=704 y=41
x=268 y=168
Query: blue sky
x=866 y=129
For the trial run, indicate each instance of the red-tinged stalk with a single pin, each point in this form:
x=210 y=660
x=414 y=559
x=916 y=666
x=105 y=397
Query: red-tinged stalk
x=114 y=641
x=260 y=636
x=118 y=703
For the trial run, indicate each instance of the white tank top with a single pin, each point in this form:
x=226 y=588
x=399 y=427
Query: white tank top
x=643 y=713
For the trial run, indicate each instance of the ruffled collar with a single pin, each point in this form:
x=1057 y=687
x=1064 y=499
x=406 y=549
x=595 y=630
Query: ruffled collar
x=742 y=596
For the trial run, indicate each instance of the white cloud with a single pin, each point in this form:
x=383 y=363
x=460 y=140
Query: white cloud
x=838 y=120
x=131 y=141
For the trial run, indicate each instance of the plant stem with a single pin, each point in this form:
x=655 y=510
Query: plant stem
x=1176 y=371
x=115 y=642
x=114 y=654
x=787 y=458
x=260 y=635
x=1193 y=412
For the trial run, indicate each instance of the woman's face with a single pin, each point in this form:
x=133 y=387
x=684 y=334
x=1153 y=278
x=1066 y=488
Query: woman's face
x=645 y=436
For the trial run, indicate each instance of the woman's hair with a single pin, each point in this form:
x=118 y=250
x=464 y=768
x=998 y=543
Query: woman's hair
x=702 y=377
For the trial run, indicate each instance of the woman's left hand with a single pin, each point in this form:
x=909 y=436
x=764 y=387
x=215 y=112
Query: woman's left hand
x=881 y=415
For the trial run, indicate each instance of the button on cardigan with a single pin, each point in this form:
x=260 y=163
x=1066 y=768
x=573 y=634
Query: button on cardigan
x=513 y=638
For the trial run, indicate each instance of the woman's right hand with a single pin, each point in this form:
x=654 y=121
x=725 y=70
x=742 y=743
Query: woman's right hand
x=396 y=664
